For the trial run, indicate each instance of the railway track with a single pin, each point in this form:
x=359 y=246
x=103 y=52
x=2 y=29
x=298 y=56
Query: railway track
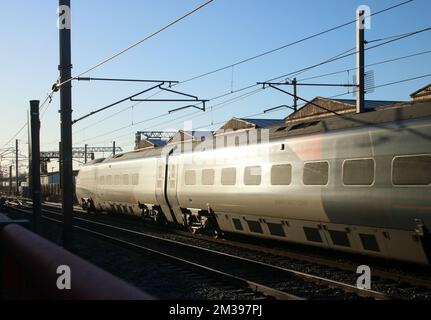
x=401 y=283
x=264 y=279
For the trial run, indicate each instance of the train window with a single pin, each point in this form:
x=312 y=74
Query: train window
x=126 y=179
x=313 y=234
x=276 y=229
x=369 y=242
x=208 y=177
x=281 y=175
x=339 y=238
x=135 y=179
x=412 y=171
x=358 y=172
x=252 y=176
x=316 y=173
x=254 y=226
x=190 y=178
x=228 y=176
x=237 y=223
x=109 y=180
x=117 y=180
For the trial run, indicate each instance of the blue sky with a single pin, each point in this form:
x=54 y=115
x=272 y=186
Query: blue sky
x=221 y=34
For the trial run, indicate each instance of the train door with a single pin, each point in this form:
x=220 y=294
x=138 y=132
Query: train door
x=162 y=187
x=92 y=185
x=100 y=184
x=171 y=188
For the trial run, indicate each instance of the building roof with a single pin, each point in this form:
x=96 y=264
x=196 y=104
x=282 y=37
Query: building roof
x=150 y=143
x=323 y=107
x=390 y=114
x=264 y=123
x=235 y=124
x=369 y=104
x=157 y=142
x=190 y=135
x=75 y=172
x=425 y=90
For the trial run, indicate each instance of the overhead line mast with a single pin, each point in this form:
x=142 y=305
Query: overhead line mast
x=65 y=68
x=16 y=168
x=360 y=61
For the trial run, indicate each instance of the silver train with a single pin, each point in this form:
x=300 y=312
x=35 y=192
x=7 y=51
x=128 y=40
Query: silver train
x=357 y=183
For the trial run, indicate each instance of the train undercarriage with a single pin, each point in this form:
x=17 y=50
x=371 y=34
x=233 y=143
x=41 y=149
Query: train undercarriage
x=194 y=220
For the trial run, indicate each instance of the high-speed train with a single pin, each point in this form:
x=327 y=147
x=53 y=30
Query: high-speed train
x=359 y=183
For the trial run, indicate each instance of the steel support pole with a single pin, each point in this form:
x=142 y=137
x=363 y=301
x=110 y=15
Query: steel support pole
x=16 y=168
x=10 y=180
x=113 y=148
x=60 y=165
x=35 y=161
x=137 y=140
x=360 y=61
x=30 y=179
x=65 y=68
x=295 y=95
x=85 y=153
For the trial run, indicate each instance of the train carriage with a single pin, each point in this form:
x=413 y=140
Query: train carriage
x=358 y=183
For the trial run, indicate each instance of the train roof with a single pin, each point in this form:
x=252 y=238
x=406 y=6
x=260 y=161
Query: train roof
x=389 y=114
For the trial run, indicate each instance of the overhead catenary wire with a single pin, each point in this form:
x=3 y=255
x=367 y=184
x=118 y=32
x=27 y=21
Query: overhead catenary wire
x=401 y=37
x=162 y=115
x=190 y=116
x=343 y=94
x=255 y=57
x=368 y=65
x=387 y=38
x=331 y=97
x=116 y=55
x=154 y=118
x=339 y=56
x=244 y=96
x=227 y=102
x=397 y=82
x=251 y=86
x=212 y=99
x=279 y=48
x=220 y=69
x=292 y=43
x=57 y=86
x=287 y=45
x=17 y=134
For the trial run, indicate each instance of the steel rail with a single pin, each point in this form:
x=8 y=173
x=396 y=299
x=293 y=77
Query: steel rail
x=226 y=277
x=320 y=281
x=310 y=258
